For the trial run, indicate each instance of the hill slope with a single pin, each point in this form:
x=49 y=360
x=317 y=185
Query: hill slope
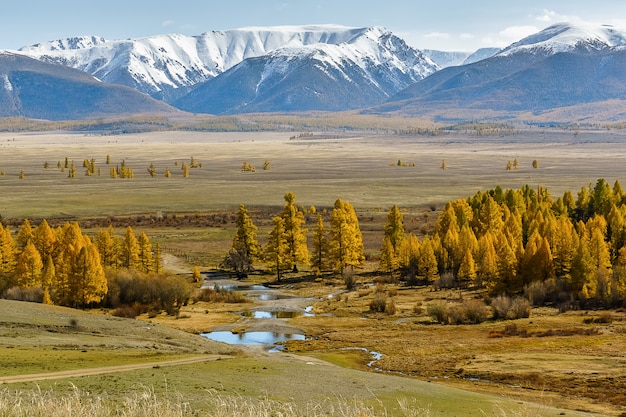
x=38 y=90
x=563 y=65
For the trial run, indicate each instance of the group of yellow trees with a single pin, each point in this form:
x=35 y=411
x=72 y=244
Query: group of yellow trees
x=339 y=248
x=508 y=241
x=66 y=264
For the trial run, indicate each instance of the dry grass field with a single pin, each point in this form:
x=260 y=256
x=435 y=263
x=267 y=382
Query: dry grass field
x=319 y=168
x=550 y=359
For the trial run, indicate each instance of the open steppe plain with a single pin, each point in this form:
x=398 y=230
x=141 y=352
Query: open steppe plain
x=193 y=219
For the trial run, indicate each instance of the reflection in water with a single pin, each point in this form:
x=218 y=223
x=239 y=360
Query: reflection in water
x=259 y=314
x=251 y=338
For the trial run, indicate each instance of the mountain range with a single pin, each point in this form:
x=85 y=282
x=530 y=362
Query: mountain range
x=563 y=65
x=322 y=67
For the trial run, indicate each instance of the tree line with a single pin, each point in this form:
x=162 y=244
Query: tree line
x=335 y=247
x=567 y=250
x=67 y=265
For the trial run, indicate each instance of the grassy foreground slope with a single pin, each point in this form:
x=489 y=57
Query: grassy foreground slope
x=36 y=339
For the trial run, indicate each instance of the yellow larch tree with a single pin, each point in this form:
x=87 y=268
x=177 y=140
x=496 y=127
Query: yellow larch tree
x=29 y=267
x=319 y=257
x=144 y=253
x=295 y=232
x=129 y=253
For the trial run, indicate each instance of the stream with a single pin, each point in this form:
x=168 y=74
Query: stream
x=267 y=325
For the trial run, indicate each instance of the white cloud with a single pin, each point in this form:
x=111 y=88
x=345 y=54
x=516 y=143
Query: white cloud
x=167 y=23
x=466 y=36
x=515 y=33
x=437 y=35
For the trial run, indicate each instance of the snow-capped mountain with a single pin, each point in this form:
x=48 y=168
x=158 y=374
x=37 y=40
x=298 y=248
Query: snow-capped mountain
x=563 y=65
x=167 y=66
x=480 y=54
x=39 y=90
x=446 y=59
x=361 y=72
x=568 y=37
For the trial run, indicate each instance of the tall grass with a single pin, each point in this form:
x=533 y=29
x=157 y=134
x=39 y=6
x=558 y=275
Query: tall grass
x=146 y=403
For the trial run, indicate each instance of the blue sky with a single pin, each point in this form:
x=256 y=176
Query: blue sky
x=435 y=24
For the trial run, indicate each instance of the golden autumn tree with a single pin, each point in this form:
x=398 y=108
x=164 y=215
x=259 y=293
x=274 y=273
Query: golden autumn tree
x=45 y=239
x=29 y=266
x=24 y=235
x=295 y=236
x=394 y=228
x=388 y=259
x=319 y=257
x=345 y=241
x=80 y=278
x=129 y=253
x=8 y=251
x=245 y=248
x=277 y=254
x=467 y=268
x=408 y=256
x=144 y=253
x=108 y=247
x=89 y=284
x=427 y=261
x=48 y=278
x=486 y=260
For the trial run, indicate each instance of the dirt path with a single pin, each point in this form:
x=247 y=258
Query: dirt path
x=108 y=370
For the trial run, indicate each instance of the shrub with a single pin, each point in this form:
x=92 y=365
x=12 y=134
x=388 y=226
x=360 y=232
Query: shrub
x=349 y=279
x=536 y=292
x=147 y=291
x=446 y=280
x=520 y=309
x=378 y=303
x=501 y=305
x=128 y=312
x=219 y=295
x=32 y=294
x=475 y=311
x=505 y=308
x=438 y=311
x=390 y=307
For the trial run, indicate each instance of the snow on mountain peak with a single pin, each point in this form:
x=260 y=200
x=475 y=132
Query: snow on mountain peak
x=564 y=37
x=161 y=65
